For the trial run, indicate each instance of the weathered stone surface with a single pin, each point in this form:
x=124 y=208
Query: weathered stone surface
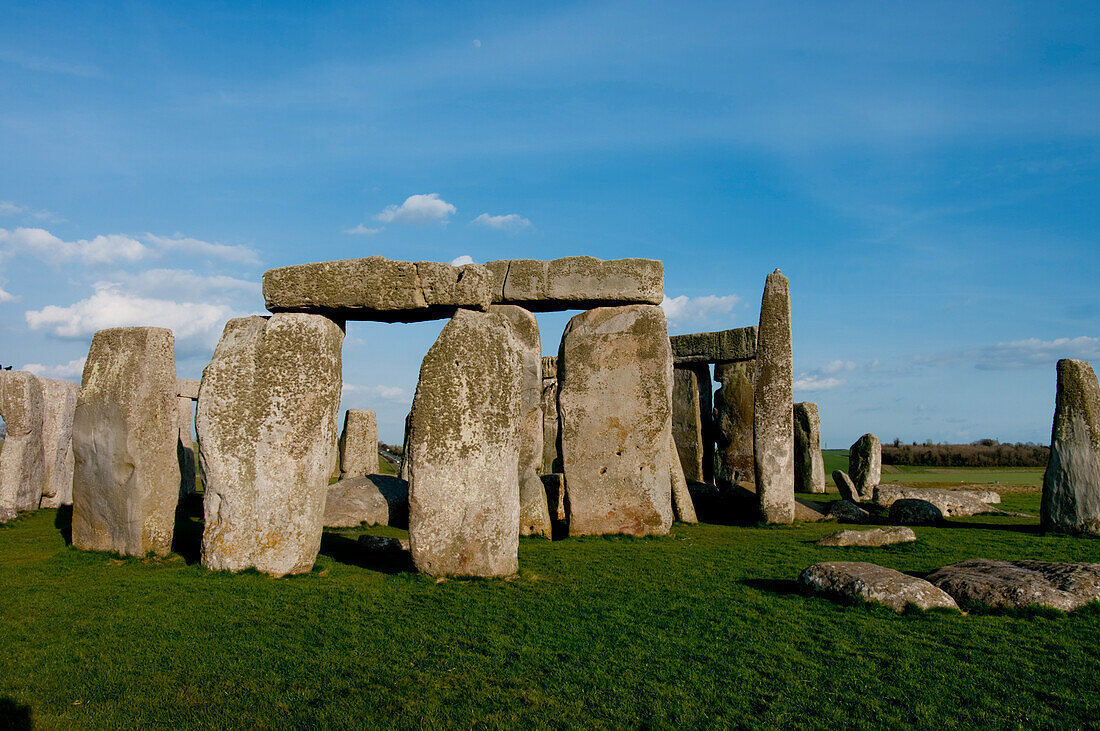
x=811 y=511
x=556 y=497
x=59 y=407
x=909 y=511
x=126 y=477
x=688 y=430
x=188 y=388
x=376 y=500
x=534 y=517
x=682 y=505
x=376 y=288
x=845 y=486
x=865 y=465
x=185 y=447
x=464 y=450
x=773 y=406
x=404 y=472
x=1071 y=484
x=809 y=468
x=267 y=439
x=726 y=346
x=873 y=537
x=551 y=449
x=1019 y=584
x=381 y=544
x=851 y=580
x=577 y=282
x=615 y=402
x=732 y=428
x=951 y=503
x=847 y=511
x=23 y=455
x=359 y=444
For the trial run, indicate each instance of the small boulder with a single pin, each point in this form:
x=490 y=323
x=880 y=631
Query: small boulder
x=846 y=486
x=376 y=500
x=910 y=511
x=849 y=580
x=1018 y=584
x=847 y=512
x=873 y=537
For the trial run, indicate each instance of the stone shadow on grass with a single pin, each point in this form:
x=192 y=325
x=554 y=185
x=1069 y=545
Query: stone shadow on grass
x=1013 y=527
x=63 y=521
x=776 y=587
x=187 y=536
x=351 y=552
x=14 y=715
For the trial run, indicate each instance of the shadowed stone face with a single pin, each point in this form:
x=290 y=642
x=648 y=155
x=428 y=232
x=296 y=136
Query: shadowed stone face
x=359 y=444
x=687 y=423
x=551 y=455
x=725 y=346
x=1071 y=484
x=865 y=465
x=266 y=424
x=464 y=450
x=126 y=478
x=773 y=412
x=375 y=500
x=23 y=456
x=615 y=401
x=733 y=407
x=59 y=407
x=809 y=468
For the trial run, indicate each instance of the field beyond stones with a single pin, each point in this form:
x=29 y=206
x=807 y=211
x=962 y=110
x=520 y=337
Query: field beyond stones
x=702 y=628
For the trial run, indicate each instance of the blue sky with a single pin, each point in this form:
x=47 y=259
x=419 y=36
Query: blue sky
x=926 y=174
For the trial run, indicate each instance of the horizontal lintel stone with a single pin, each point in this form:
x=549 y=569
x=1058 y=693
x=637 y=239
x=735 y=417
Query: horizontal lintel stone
x=725 y=346
x=577 y=283
x=187 y=388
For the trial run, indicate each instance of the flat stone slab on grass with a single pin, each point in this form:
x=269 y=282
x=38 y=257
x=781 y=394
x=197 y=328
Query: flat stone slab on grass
x=847 y=511
x=375 y=500
x=952 y=503
x=577 y=283
x=852 y=580
x=1019 y=584
x=377 y=288
x=724 y=346
x=874 y=537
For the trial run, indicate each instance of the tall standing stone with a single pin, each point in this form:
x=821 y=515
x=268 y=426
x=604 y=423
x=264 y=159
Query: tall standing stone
x=773 y=406
x=59 y=407
x=23 y=459
x=126 y=477
x=185 y=446
x=865 y=465
x=809 y=468
x=404 y=471
x=359 y=444
x=464 y=450
x=1071 y=484
x=266 y=424
x=733 y=408
x=691 y=420
x=551 y=454
x=615 y=402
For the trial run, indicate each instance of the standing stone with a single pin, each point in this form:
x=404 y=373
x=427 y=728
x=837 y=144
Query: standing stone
x=185 y=446
x=773 y=405
x=615 y=402
x=551 y=453
x=464 y=450
x=59 y=407
x=682 y=505
x=1071 y=484
x=691 y=420
x=267 y=439
x=534 y=515
x=733 y=407
x=404 y=472
x=865 y=465
x=359 y=444
x=23 y=459
x=126 y=478
x=809 y=468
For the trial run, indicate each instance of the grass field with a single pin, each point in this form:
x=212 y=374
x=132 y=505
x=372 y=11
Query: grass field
x=702 y=628
x=1007 y=479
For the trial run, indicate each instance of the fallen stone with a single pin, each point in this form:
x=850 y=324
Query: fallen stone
x=23 y=478
x=726 y=346
x=847 y=511
x=910 y=511
x=577 y=283
x=846 y=487
x=615 y=402
x=126 y=477
x=951 y=503
x=874 y=537
x=852 y=580
x=376 y=288
x=59 y=407
x=464 y=450
x=375 y=500
x=1071 y=484
x=682 y=505
x=732 y=426
x=811 y=511
x=865 y=465
x=1020 y=584
x=188 y=388
x=359 y=444
x=773 y=406
x=809 y=468
x=267 y=439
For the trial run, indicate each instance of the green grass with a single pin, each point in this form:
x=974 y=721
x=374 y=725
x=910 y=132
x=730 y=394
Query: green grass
x=702 y=628
x=1004 y=478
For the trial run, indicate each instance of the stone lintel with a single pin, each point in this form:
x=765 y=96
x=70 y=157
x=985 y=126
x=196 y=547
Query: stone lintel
x=725 y=346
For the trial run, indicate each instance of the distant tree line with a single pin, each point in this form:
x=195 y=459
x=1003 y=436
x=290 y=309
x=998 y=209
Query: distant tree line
x=982 y=453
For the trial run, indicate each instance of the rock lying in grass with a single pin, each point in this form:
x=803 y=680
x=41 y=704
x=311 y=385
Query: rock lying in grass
x=910 y=511
x=22 y=461
x=873 y=537
x=846 y=487
x=847 y=512
x=952 y=503
x=865 y=465
x=1013 y=584
x=375 y=500
x=1071 y=484
x=850 y=580
x=811 y=511
x=773 y=404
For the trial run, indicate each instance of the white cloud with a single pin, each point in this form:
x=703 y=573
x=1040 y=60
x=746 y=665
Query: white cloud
x=462 y=260
x=838 y=366
x=511 y=222
x=418 y=209
x=68 y=370
x=811 y=382
x=7 y=296
x=225 y=252
x=477 y=43
x=182 y=284
x=382 y=393
x=8 y=208
x=363 y=230
x=100 y=250
x=1035 y=352
x=684 y=308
